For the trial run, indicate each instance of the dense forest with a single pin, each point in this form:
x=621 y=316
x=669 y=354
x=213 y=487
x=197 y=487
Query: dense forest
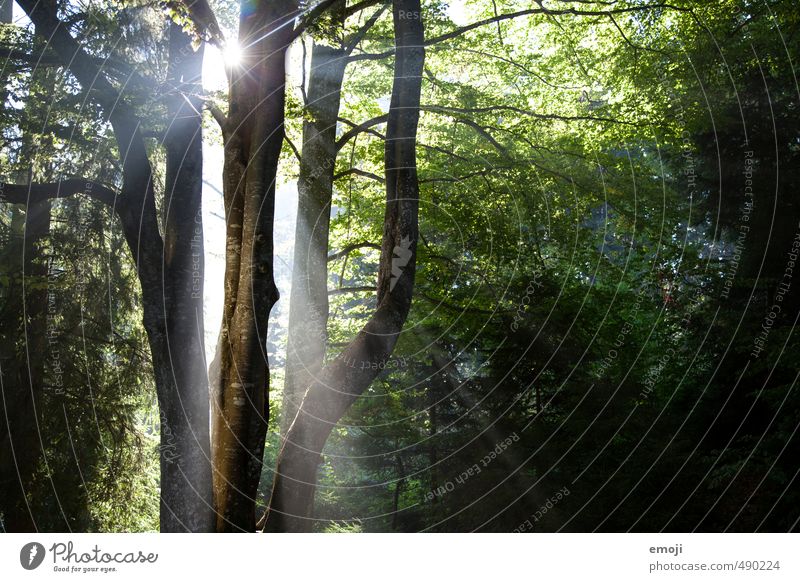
x=374 y=266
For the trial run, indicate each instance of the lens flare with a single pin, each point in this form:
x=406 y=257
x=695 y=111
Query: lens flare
x=232 y=55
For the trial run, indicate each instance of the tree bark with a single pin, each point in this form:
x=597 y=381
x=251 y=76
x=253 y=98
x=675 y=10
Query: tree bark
x=187 y=502
x=253 y=135
x=346 y=377
x=308 y=306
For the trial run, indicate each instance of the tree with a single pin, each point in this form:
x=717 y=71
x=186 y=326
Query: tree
x=172 y=304
x=345 y=378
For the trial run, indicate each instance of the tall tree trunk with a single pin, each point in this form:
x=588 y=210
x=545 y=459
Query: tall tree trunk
x=186 y=497
x=344 y=379
x=253 y=139
x=308 y=306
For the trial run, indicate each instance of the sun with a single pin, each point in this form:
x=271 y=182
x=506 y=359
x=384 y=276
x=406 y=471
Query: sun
x=232 y=55
x=218 y=63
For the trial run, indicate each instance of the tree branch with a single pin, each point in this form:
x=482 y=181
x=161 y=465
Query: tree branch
x=362 y=127
x=9 y=53
x=123 y=118
x=358 y=7
x=310 y=16
x=545 y=116
x=345 y=290
x=358 y=36
x=454 y=307
x=293 y=147
x=350 y=248
x=359 y=172
x=487 y=136
x=527 y=12
x=484 y=172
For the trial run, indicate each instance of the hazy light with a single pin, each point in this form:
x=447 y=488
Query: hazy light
x=217 y=63
x=232 y=55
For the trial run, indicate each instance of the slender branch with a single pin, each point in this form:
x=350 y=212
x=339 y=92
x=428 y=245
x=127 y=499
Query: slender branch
x=443 y=151
x=454 y=307
x=487 y=136
x=359 y=172
x=113 y=66
x=550 y=12
x=358 y=36
x=545 y=116
x=360 y=128
x=345 y=290
x=520 y=66
x=293 y=147
x=350 y=248
x=484 y=172
x=310 y=17
x=8 y=53
x=358 y=7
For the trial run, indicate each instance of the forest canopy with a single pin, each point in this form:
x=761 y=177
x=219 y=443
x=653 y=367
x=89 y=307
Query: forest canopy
x=373 y=265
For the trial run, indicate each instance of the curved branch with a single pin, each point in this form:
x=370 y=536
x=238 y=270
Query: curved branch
x=548 y=11
x=358 y=7
x=358 y=36
x=358 y=172
x=293 y=147
x=350 y=248
x=360 y=128
x=310 y=16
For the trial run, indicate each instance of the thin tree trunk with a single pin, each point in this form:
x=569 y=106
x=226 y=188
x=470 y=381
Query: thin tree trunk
x=344 y=379
x=308 y=307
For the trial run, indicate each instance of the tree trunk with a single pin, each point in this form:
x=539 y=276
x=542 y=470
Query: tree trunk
x=308 y=307
x=186 y=497
x=253 y=139
x=344 y=379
